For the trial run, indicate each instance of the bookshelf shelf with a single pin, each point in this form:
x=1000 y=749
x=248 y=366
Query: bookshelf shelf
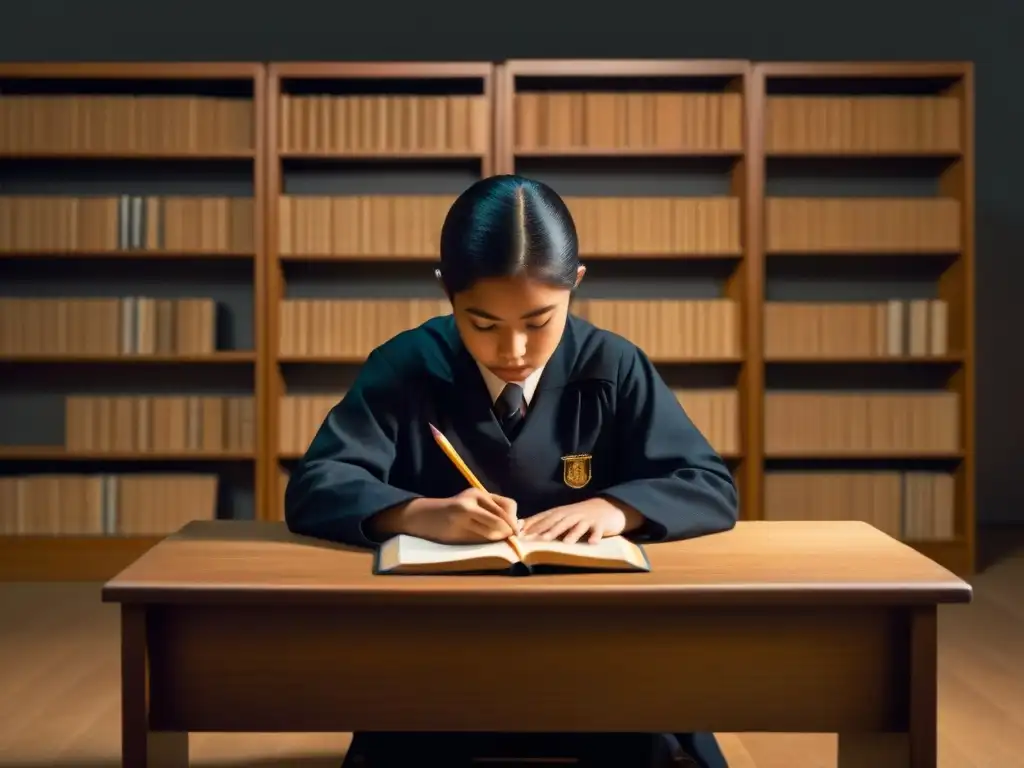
x=77 y=154
x=58 y=453
x=879 y=254
x=636 y=152
x=729 y=456
x=634 y=257
x=802 y=200
x=862 y=154
x=355 y=360
x=861 y=455
x=384 y=156
x=228 y=357
x=144 y=236
x=864 y=360
x=674 y=256
x=126 y=254
x=860 y=252
x=358 y=257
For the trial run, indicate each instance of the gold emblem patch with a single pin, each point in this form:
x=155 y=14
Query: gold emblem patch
x=576 y=470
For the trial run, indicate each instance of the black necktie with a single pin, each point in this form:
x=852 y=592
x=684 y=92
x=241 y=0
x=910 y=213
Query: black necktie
x=510 y=408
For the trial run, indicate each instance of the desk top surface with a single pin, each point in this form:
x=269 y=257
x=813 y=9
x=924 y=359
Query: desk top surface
x=757 y=563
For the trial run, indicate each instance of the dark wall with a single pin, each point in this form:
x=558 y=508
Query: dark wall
x=982 y=31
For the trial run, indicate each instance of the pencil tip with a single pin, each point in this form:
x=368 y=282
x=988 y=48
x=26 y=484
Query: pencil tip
x=435 y=430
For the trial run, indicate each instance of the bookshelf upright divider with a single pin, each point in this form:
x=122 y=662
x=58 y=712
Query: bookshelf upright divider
x=124 y=185
x=753 y=300
x=652 y=159
x=365 y=160
x=265 y=463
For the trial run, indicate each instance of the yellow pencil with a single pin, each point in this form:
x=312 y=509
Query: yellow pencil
x=452 y=454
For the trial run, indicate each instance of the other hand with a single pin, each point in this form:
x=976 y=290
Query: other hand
x=589 y=521
x=472 y=516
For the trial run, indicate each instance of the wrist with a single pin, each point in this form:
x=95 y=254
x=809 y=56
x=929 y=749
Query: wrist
x=401 y=518
x=632 y=520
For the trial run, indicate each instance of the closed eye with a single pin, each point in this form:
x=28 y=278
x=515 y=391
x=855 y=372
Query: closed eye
x=529 y=326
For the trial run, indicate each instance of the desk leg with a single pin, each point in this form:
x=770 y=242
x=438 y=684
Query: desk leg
x=919 y=747
x=140 y=747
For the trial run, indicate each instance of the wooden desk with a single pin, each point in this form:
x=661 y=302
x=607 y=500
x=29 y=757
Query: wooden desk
x=775 y=626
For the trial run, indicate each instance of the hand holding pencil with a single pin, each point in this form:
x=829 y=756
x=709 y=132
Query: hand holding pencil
x=474 y=483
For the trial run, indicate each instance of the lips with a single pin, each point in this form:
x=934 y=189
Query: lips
x=511 y=374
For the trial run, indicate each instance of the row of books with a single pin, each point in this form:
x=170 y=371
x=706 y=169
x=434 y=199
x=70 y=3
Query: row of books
x=865 y=225
x=920 y=423
x=629 y=121
x=410 y=225
x=796 y=424
x=348 y=328
x=914 y=506
x=159 y=424
x=98 y=505
x=862 y=124
x=915 y=328
x=544 y=120
x=665 y=329
x=125 y=123
x=382 y=123
x=714 y=412
x=44 y=223
x=134 y=325
x=651 y=226
x=670 y=329
x=361 y=225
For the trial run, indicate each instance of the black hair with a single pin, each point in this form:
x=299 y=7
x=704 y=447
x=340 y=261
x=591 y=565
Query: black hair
x=504 y=226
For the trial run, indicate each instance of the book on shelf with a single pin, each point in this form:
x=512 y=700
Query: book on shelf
x=41 y=223
x=410 y=555
x=149 y=504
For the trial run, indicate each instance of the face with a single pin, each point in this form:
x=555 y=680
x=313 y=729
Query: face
x=512 y=325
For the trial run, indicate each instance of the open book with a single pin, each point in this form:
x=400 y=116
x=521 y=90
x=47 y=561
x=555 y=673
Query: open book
x=410 y=555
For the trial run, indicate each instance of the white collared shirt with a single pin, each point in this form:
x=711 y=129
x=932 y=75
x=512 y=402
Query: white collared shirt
x=496 y=385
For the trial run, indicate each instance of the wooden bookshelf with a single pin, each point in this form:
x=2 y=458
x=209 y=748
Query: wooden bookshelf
x=652 y=159
x=805 y=229
x=364 y=161
x=125 y=187
x=869 y=297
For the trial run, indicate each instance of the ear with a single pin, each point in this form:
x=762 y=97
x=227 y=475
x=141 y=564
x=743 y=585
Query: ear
x=580 y=272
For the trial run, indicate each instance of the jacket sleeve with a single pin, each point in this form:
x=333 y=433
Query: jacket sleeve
x=667 y=471
x=342 y=480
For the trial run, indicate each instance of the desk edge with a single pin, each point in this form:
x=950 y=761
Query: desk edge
x=791 y=595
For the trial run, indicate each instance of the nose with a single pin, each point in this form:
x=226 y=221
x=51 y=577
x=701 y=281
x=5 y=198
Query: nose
x=511 y=346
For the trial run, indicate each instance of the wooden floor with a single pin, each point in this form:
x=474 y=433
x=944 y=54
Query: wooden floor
x=59 y=700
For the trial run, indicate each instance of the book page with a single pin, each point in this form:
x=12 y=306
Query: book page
x=410 y=550
x=614 y=549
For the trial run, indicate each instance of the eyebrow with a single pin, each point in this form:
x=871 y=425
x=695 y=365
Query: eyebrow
x=527 y=316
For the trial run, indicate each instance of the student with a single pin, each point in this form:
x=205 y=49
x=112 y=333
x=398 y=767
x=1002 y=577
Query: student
x=569 y=426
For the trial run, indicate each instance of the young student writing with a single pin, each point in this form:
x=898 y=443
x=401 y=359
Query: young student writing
x=569 y=427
